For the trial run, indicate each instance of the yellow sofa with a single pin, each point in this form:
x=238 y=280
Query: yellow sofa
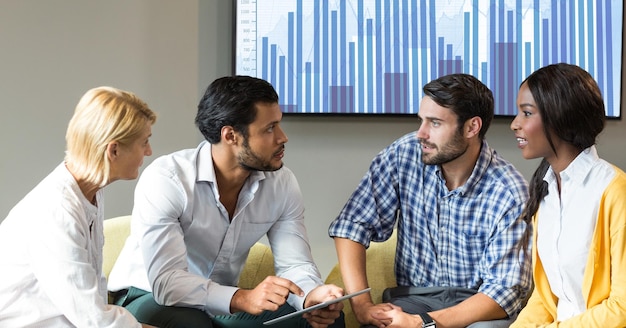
x=260 y=263
x=116 y=230
x=380 y=274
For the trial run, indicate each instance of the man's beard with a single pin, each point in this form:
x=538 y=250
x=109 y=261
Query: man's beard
x=252 y=162
x=448 y=152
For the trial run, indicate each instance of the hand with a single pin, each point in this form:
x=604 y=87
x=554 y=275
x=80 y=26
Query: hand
x=269 y=295
x=365 y=313
x=323 y=317
x=392 y=316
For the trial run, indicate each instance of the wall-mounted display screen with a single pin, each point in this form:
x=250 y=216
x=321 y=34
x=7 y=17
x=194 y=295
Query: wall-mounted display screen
x=373 y=56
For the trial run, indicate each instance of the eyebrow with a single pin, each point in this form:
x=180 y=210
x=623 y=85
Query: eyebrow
x=271 y=123
x=431 y=118
x=527 y=105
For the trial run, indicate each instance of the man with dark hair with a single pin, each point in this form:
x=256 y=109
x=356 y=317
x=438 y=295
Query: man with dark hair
x=197 y=213
x=456 y=205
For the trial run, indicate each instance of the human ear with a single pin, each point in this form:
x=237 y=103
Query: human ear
x=112 y=150
x=229 y=135
x=473 y=126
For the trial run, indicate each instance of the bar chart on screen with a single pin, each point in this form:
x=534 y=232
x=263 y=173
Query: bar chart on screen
x=374 y=56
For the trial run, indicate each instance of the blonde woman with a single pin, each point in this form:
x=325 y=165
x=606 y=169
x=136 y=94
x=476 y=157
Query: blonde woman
x=51 y=241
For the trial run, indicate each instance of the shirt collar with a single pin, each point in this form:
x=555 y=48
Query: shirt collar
x=205 y=171
x=482 y=163
x=578 y=169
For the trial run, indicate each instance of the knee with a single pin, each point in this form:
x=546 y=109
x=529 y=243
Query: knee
x=147 y=310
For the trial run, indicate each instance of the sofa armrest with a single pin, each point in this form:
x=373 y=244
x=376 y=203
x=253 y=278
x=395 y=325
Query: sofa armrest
x=379 y=259
x=260 y=264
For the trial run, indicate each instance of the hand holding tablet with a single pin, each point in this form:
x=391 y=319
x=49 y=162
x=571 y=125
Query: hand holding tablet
x=315 y=307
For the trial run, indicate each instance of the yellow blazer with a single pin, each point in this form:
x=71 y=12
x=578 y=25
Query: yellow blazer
x=604 y=280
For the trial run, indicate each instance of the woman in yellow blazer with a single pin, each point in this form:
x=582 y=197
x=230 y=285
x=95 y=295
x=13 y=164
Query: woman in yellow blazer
x=577 y=204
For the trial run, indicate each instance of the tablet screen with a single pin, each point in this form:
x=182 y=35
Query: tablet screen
x=315 y=307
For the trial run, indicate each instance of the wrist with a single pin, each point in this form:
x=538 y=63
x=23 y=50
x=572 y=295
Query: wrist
x=427 y=321
x=237 y=299
x=361 y=301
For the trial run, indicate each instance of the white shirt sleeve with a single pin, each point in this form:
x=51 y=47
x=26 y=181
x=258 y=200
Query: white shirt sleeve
x=290 y=244
x=58 y=261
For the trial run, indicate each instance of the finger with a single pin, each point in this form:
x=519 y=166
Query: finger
x=280 y=292
x=335 y=307
x=278 y=298
x=265 y=305
x=324 y=313
x=289 y=285
x=394 y=307
x=319 y=318
x=294 y=289
x=335 y=291
x=380 y=324
x=276 y=290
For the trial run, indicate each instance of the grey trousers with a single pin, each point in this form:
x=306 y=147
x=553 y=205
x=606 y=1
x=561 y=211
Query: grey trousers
x=416 y=300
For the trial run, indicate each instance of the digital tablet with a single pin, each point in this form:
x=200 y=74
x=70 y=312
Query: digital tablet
x=315 y=307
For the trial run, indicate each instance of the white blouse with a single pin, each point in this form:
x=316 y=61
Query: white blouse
x=565 y=227
x=51 y=260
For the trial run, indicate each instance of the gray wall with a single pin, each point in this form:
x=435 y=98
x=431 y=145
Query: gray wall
x=167 y=52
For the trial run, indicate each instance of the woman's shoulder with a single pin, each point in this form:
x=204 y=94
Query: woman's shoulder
x=618 y=182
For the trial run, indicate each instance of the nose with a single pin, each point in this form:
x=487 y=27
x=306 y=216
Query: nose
x=422 y=133
x=281 y=136
x=148 y=151
x=514 y=125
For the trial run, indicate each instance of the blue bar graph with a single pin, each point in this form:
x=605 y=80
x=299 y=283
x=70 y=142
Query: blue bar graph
x=374 y=56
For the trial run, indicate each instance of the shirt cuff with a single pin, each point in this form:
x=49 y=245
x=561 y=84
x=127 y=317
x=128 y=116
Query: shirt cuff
x=219 y=298
x=298 y=301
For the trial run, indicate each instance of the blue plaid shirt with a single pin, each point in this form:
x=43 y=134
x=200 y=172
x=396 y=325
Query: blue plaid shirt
x=466 y=237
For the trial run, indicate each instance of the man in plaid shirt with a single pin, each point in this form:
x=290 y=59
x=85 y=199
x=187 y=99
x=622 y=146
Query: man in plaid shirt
x=456 y=204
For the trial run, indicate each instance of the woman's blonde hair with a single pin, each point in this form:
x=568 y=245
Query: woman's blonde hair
x=103 y=115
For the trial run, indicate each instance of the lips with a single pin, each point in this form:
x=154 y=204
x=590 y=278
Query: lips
x=280 y=153
x=521 y=141
x=427 y=146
